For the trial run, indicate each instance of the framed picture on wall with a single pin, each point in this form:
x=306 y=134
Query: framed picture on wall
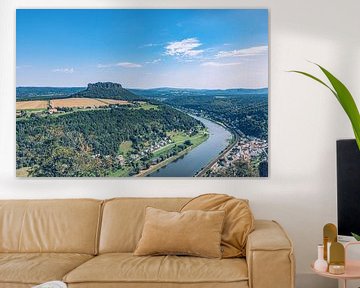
x=142 y=92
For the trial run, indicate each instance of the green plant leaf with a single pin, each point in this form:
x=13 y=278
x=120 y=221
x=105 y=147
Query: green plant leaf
x=356 y=236
x=316 y=79
x=344 y=97
x=346 y=100
x=357 y=137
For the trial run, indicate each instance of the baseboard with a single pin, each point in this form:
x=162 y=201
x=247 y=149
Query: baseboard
x=309 y=280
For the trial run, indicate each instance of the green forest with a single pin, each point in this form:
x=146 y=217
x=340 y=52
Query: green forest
x=248 y=114
x=243 y=110
x=88 y=143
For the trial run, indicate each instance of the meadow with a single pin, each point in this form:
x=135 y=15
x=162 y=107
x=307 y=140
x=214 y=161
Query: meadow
x=68 y=103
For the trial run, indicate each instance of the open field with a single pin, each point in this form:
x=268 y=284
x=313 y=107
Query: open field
x=114 y=101
x=22 y=172
x=120 y=173
x=31 y=105
x=69 y=103
x=179 y=138
x=76 y=103
x=125 y=147
x=146 y=106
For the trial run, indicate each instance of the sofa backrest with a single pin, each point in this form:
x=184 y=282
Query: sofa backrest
x=123 y=220
x=67 y=226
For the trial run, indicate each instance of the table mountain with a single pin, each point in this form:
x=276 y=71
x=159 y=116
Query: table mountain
x=106 y=90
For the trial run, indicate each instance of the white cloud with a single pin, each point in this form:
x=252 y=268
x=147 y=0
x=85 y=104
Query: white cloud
x=120 y=64
x=63 y=70
x=153 y=61
x=128 y=65
x=219 y=64
x=184 y=47
x=150 y=45
x=252 y=51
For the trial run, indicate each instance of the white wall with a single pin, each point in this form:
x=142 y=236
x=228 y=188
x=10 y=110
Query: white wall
x=305 y=120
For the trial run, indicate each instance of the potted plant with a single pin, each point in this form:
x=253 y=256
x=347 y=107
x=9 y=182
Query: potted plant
x=346 y=100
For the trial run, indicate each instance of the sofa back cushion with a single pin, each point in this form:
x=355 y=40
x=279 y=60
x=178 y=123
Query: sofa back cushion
x=123 y=220
x=66 y=226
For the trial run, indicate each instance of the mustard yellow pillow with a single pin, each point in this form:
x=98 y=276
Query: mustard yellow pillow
x=238 y=223
x=193 y=232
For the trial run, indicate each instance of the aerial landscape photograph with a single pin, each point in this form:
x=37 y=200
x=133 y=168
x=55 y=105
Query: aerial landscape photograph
x=142 y=93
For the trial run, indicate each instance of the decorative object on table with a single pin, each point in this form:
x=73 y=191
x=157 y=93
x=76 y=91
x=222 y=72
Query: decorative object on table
x=218 y=128
x=336 y=269
x=333 y=252
x=337 y=258
x=52 y=284
x=320 y=264
x=329 y=236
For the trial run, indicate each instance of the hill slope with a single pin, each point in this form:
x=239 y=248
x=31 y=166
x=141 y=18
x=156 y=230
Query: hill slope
x=106 y=90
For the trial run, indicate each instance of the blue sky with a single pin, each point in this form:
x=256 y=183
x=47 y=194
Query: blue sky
x=143 y=48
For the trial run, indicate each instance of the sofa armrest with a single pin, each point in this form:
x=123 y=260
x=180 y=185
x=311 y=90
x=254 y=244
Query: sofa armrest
x=269 y=256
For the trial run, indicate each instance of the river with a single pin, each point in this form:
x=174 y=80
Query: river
x=192 y=162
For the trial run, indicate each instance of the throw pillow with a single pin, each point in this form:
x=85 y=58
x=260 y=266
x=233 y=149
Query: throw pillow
x=196 y=233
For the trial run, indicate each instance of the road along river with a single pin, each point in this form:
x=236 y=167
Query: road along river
x=189 y=164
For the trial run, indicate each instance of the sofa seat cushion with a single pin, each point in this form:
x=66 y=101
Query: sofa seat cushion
x=36 y=268
x=15 y=285
x=127 y=268
x=242 y=284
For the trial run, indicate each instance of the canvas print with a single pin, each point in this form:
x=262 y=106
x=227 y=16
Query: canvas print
x=142 y=93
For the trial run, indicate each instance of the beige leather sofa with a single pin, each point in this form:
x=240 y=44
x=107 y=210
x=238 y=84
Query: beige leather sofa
x=89 y=243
